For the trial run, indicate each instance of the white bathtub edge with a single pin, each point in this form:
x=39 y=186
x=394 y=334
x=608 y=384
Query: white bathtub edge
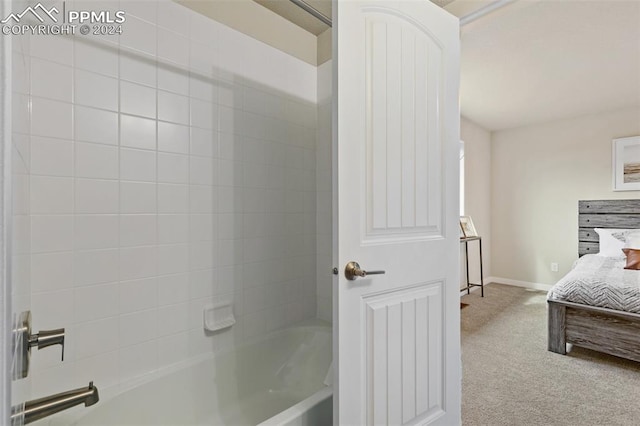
x=307 y=412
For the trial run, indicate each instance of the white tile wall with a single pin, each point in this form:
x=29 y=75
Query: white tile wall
x=94 y=125
x=45 y=71
x=137 y=132
x=154 y=185
x=96 y=161
x=95 y=231
x=96 y=196
x=95 y=90
x=51 y=118
x=137 y=99
x=51 y=157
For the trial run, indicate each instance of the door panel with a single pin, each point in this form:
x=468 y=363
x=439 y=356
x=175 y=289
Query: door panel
x=404 y=326
x=405 y=192
x=397 y=337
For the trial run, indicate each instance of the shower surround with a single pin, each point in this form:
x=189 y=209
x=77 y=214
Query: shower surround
x=159 y=171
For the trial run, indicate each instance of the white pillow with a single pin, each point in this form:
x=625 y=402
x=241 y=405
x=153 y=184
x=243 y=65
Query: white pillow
x=612 y=241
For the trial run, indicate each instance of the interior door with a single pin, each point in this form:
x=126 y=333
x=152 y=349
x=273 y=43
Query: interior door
x=396 y=125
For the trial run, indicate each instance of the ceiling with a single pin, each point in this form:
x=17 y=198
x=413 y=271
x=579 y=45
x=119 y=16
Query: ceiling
x=535 y=60
x=293 y=13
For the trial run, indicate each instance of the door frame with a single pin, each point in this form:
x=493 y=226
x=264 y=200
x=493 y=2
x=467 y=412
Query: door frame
x=5 y=220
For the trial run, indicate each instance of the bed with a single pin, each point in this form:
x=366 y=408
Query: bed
x=597 y=304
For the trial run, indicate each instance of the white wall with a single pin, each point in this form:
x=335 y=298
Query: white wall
x=167 y=169
x=324 y=258
x=477 y=194
x=259 y=22
x=538 y=175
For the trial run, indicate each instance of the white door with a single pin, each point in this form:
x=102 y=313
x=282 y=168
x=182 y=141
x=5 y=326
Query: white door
x=397 y=336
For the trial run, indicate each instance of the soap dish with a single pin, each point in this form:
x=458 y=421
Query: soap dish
x=218 y=316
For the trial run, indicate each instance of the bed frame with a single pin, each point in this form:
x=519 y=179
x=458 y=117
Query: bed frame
x=604 y=330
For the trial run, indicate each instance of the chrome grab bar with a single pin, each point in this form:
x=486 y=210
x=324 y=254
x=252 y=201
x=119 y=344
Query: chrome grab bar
x=43 y=407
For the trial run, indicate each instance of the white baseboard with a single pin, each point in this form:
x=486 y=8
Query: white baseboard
x=516 y=283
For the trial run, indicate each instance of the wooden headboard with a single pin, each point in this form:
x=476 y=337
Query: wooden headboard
x=604 y=214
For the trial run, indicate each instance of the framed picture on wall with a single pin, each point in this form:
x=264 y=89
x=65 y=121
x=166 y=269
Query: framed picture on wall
x=626 y=164
x=466 y=224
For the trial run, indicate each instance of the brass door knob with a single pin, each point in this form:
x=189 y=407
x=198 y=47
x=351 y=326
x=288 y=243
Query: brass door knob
x=353 y=271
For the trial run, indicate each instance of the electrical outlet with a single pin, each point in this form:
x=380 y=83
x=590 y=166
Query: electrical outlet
x=554 y=267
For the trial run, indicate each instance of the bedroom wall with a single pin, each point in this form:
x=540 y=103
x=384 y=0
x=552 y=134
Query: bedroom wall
x=477 y=194
x=538 y=174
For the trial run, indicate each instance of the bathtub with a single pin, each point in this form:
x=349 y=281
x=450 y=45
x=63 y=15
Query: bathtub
x=277 y=380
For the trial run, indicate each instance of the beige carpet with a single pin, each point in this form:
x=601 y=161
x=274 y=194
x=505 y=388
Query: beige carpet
x=509 y=377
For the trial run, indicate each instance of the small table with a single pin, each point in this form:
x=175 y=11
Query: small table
x=466 y=240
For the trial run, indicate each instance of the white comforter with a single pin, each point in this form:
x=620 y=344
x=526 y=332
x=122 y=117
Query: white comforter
x=600 y=281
